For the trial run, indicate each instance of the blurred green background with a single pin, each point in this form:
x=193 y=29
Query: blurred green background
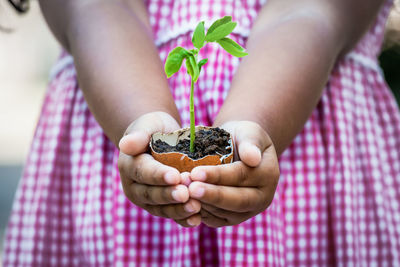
x=390 y=64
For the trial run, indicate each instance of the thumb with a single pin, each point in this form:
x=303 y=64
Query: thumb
x=251 y=141
x=137 y=136
x=134 y=143
x=249 y=154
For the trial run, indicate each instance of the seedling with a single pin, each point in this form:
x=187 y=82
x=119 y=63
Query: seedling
x=216 y=33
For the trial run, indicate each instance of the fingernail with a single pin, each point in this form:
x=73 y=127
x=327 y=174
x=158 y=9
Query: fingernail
x=189 y=208
x=176 y=195
x=122 y=141
x=199 y=175
x=185 y=178
x=192 y=222
x=198 y=192
x=170 y=177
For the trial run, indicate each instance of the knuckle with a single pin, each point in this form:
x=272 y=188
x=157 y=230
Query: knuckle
x=242 y=175
x=217 y=176
x=146 y=194
x=218 y=197
x=138 y=174
x=244 y=202
x=165 y=195
x=152 y=174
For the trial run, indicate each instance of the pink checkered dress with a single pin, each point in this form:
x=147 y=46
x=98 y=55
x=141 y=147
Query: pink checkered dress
x=337 y=203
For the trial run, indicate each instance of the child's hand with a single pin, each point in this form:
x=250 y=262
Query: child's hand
x=149 y=184
x=232 y=193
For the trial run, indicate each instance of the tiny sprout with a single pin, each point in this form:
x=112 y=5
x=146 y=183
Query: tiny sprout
x=216 y=33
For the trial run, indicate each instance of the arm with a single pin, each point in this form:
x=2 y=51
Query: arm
x=117 y=63
x=292 y=49
x=122 y=79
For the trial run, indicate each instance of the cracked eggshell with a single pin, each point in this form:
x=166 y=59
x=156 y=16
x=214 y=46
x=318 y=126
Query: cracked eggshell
x=181 y=161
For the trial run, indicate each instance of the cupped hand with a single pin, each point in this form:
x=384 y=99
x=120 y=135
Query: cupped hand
x=149 y=184
x=232 y=193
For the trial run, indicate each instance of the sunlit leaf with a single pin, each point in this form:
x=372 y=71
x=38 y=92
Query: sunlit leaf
x=174 y=60
x=199 y=36
x=232 y=47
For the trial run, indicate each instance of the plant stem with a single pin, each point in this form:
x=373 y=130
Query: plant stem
x=192 y=122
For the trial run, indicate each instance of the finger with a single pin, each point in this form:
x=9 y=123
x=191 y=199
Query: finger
x=137 y=137
x=232 y=217
x=238 y=199
x=238 y=173
x=175 y=211
x=211 y=220
x=158 y=195
x=185 y=178
x=192 y=221
x=145 y=169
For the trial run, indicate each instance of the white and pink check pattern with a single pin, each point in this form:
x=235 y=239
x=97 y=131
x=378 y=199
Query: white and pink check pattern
x=337 y=203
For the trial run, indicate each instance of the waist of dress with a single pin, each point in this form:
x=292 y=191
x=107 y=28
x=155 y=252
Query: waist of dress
x=66 y=61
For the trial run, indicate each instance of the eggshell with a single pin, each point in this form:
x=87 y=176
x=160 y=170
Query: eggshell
x=181 y=161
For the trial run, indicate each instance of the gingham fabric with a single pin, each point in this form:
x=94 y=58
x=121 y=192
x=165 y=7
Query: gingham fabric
x=337 y=202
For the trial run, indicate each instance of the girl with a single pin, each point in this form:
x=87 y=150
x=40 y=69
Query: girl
x=310 y=92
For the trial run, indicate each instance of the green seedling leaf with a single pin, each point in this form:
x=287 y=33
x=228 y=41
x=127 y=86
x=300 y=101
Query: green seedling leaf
x=220 y=28
x=174 y=60
x=221 y=32
x=201 y=63
x=217 y=32
x=218 y=23
x=232 y=47
x=192 y=67
x=199 y=36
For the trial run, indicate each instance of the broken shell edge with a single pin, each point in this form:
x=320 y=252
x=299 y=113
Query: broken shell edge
x=181 y=161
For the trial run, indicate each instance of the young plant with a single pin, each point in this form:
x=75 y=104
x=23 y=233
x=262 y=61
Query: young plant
x=216 y=33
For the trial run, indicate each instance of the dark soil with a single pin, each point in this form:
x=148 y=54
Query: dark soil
x=207 y=142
